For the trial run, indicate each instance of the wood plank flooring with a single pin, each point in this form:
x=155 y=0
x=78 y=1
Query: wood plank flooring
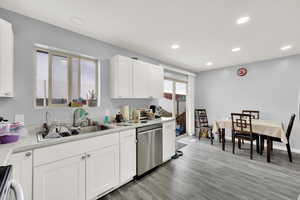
x=206 y=172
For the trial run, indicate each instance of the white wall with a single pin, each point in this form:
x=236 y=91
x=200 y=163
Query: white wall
x=28 y=32
x=270 y=86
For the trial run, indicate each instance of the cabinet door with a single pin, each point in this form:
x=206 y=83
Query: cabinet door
x=63 y=180
x=22 y=171
x=169 y=137
x=123 y=77
x=156 y=82
x=140 y=79
x=102 y=171
x=127 y=155
x=6 y=59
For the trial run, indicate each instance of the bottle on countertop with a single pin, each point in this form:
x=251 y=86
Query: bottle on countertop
x=106 y=117
x=119 y=117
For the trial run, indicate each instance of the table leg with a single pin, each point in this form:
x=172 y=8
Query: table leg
x=211 y=137
x=257 y=145
x=262 y=144
x=239 y=143
x=220 y=135
x=223 y=138
x=269 y=143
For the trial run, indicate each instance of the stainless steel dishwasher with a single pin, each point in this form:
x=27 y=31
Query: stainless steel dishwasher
x=149 y=148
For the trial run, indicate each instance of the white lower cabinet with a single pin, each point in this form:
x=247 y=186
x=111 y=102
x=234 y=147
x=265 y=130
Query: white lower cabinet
x=63 y=180
x=79 y=170
x=85 y=169
x=102 y=171
x=169 y=137
x=127 y=155
x=22 y=171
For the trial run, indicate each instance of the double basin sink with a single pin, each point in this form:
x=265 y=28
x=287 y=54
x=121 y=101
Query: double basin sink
x=72 y=131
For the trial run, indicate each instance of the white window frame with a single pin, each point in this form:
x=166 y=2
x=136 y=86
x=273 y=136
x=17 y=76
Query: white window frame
x=69 y=55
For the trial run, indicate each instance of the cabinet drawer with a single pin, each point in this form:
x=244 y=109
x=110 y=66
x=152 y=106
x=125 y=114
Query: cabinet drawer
x=69 y=149
x=169 y=125
x=126 y=134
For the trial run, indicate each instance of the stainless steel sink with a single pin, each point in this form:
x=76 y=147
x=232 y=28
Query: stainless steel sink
x=72 y=131
x=90 y=129
x=124 y=124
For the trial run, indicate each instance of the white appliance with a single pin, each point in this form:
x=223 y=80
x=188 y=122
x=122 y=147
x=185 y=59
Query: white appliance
x=9 y=189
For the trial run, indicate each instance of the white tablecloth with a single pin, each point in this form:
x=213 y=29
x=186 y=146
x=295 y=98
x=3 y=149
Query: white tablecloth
x=262 y=127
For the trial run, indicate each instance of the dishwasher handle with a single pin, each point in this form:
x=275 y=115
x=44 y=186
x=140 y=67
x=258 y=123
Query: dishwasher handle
x=152 y=130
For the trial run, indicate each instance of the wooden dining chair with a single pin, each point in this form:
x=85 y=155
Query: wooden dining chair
x=242 y=129
x=288 y=134
x=201 y=122
x=254 y=113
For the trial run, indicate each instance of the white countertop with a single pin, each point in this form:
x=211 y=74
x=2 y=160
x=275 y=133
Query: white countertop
x=30 y=142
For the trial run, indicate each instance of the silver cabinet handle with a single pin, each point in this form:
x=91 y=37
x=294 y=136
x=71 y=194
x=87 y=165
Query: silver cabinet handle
x=28 y=154
x=88 y=155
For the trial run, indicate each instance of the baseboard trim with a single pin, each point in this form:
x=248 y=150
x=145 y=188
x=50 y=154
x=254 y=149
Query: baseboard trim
x=283 y=148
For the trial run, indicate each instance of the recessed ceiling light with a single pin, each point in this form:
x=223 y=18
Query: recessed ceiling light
x=208 y=63
x=76 y=20
x=243 y=20
x=286 y=47
x=236 y=49
x=175 y=46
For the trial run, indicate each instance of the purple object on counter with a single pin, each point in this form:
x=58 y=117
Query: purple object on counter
x=5 y=139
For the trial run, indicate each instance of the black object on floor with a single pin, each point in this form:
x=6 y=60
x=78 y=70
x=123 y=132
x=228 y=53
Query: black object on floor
x=177 y=154
x=179 y=145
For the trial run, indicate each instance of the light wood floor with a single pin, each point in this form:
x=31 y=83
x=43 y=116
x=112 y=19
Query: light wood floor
x=206 y=172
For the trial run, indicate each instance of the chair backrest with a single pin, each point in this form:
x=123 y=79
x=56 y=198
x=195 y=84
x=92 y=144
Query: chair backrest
x=201 y=115
x=253 y=113
x=289 y=129
x=241 y=123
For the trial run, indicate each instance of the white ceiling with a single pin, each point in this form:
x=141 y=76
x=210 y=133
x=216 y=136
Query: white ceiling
x=206 y=30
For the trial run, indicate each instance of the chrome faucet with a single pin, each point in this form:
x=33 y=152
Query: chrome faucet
x=79 y=116
x=46 y=123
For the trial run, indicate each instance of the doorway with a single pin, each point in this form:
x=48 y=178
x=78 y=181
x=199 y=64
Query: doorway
x=173 y=103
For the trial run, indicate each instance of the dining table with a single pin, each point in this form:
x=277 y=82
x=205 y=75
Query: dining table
x=267 y=128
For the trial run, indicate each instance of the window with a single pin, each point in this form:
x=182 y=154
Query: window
x=181 y=88
x=65 y=80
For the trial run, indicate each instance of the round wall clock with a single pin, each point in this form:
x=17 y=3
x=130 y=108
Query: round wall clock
x=242 y=71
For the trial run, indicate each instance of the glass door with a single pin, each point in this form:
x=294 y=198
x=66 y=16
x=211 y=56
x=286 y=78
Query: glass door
x=174 y=103
x=180 y=107
x=166 y=103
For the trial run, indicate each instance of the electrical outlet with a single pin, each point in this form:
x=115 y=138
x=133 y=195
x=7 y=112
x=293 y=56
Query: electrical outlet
x=19 y=118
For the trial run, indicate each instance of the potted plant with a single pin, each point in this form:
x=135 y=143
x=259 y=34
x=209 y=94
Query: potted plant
x=92 y=99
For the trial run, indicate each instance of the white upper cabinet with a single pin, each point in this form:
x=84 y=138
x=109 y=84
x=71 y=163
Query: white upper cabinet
x=131 y=78
x=121 y=77
x=156 y=76
x=141 y=79
x=6 y=59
